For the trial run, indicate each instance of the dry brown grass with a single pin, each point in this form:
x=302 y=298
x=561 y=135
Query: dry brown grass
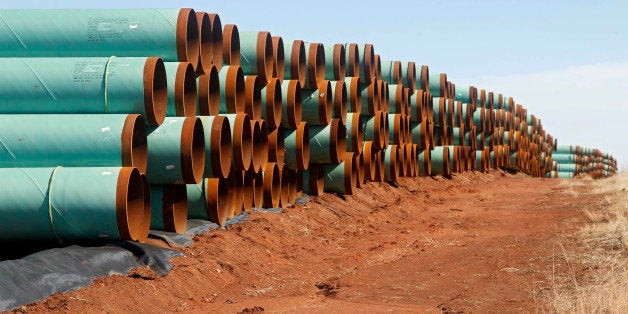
x=601 y=285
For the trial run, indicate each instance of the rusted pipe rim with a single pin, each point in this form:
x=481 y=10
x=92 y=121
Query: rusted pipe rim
x=253 y=96
x=192 y=152
x=295 y=104
x=185 y=90
x=242 y=142
x=405 y=100
x=361 y=179
x=155 y=91
x=378 y=127
x=303 y=146
x=231 y=45
x=373 y=99
x=368 y=153
x=357 y=134
x=381 y=167
x=292 y=187
x=231 y=195
x=355 y=95
x=274 y=107
x=350 y=174
x=340 y=101
x=399 y=98
x=397 y=75
x=238 y=184
x=133 y=142
x=339 y=62
x=446 y=167
x=264 y=56
x=368 y=63
x=235 y=89
x=263 y=130
x=298 y=66
x=401 y=161
x=129 y=204
x=396 y=129
x=143 y=231
x=392 y=165
x=175 y=208
x=337 y=141
x=378 y=67
x=248 y=178
x=384 y=92
x=218 y=200
x=279 y=62
x=317 y=179
x=385 y=129
x=427 y=161
x=209 y=93
x=408 y=132
x=258 y=190
x=258 y=151
x=325 y=102
x=187 y=37
x=315 y=64
x=425 y=74
x=353 y=57
x=216 y=40
x=205 y=59
x=272 y=185
x=411 y=77
x=276 y=146
x=411 y=160
x=221 y=149
x=284 y=190
x=443 y=85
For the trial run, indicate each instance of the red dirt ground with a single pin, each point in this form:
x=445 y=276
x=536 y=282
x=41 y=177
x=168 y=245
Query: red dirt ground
x=473 y=243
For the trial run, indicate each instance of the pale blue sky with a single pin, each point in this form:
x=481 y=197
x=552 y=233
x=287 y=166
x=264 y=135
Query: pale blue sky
x=566 y=61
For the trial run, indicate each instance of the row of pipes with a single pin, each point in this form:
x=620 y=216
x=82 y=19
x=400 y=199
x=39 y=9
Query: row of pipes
x=115 y=122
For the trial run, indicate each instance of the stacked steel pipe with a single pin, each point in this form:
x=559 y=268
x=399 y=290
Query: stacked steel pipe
x=146 y=118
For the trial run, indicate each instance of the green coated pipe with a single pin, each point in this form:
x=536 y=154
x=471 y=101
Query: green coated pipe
x=408 y=73
x=440 y=160
x=317 y=104
x=314 y=180
x=297 y=147
x=565 y=149
x=232 y=89
x=218 y=146
x=292 y=103
x=373 y=126
x=464 y=94
x=335 y=62
x=39 y=140
x=437 y=84
x=176 y=151
x=272 y=103
x=341 y=177
x=565 y=175
x=339 y=100
x=327 y=142
x=256 y=54
x=68 y=204
x=209 y=200
x=355 y=133
x=391 y=72
x=367 y=63
x=391 y=162
x=567 y=167
x=370 y=96
x=423 y=81
x=242 y=139
x=425 y=162
x=208 y=93
x=352 y=62
x=84 y=85
x=294 y=56
x=169 y=207
x=459 y=136
x=354 y=91
x=181 y=90
x=419 y=134
x=397 y=99
x=171 y=34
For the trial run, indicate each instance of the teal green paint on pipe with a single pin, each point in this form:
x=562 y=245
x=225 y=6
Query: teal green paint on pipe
x=565 y=149
x=208 y=122
x=456 y=135
x=436 y=106
x=392 y=97
x=40 y=140
x=364 y=72
x=565 y=175
x=248 y=53
x=320 y=141
x=364 y=107
x=479 y=160
x=79 y=202
x=421 y=158
x=438 y=164
x=75 y=85
x=567 y=167
x=387 y=71
x=462 y=94
x=480 y=140
x=350 y=136
x=334 y=176
x=416 y=133
x=285 y=86
x=477 y=120
x=310 y=106
x=370 y=132
x=156 y=206
x=513 y=158
x=222 y=78
x=92 y=33
x=197 y=202
x=435 y=87
x=467 y=138
x=389 y=171
x=290 y=148
x=329 y=62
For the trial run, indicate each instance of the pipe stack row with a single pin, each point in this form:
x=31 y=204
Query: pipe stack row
x=120 y=121
x=575 y=161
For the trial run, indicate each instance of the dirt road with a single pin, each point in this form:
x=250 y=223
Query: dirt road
x=476 y=242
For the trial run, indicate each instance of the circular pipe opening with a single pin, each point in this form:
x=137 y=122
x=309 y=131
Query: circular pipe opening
x=325 y=102
x=353 y=60
x=257 y=156
x=209 y=93
x=276 y=146
x=377 y=71
x=238 y=194
x=317 y=179
x=368 y=64
x=253 y=85
x=242 y=142
x=446 y=168
x=258 y=190
x=425 y=74
x=397 y=74
x=221 y=147
x=315 y=64
x=216 y=40
x=303 y=146
x=284 y=194
x=294 y=104
x=187 y=37
x=355 y=95
x=247 y=190
x=298 y=66
x=370 y=162
x=143 y=232
x=185 y=90
x=133 y=142
x=279 y=65
x=337 y=141
x=360 y=175
x=274 y=106
x=231 y=45
x=192 y=152
x=235 y=90
x=130 y=204
x=155 y=91
x=218 y=200
x=205 y=59
x=263 y=130
x=411 y=77
x=175 y=208
x=340 y=101
x=272 y=185
x=265 y=57
x=350 y=174
x=339 y=61
x=357 y=134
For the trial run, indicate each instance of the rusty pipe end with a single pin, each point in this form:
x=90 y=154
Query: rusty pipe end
x=175 y=208
x=221 y=147
x=337 y=141
x=248 y=178
x=298 y=62
x=235 y=90
x=258 y=152
x=355 y=95
x=357 y=134
x=130 y=204
x=272 y=185
x=263 y=145
x=258 y=190
x=155 y=91
x=303 y=146
x=253 y=85
x=353 y=59
x=185 y=90
x=216 y=40
x=340 y=101
x=279 y=64
x=325 y=101
x=242 y=142
x=339 y=62
x=284 y=191
x=206 y=51
x=315 y=64
x=209 y=93
x=350 y=173
x=192 y=150
x=134 y=144
x=231 y=45
x=143 y=234
x=317 y=179
x=187 y=37
x=294 y=104
x=274 y=107
x=276 y=146
x=264 y=55
x=218 y=200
